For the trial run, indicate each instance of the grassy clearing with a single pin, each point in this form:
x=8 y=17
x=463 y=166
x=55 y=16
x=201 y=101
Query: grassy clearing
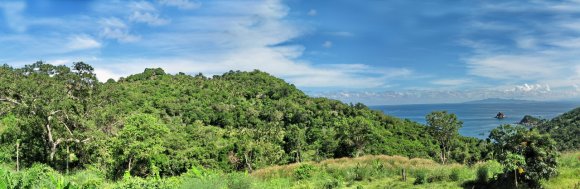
x=568 y=172
x=385 y=172
x=364 y=172
x=375 y=172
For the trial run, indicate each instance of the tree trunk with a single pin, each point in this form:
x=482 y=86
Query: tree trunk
x=67 y=157
x=52 y=151
x=299 y=154
x=516 y=177
x=129 y=166
x=403 y=174
x=17 y=156
x=443 y=158
x=248 y=164
x=50 y=139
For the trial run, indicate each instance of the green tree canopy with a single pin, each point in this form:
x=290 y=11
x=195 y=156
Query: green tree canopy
x=140 y=143
x=445 y=129
x=515 y=143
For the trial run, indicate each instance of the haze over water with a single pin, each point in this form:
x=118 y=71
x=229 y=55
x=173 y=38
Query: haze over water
x=478 y=119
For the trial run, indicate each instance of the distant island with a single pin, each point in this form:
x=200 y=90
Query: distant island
x=498 y=101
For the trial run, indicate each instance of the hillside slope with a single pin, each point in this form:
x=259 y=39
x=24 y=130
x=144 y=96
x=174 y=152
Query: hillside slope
x=155 y=123
x=565 y=129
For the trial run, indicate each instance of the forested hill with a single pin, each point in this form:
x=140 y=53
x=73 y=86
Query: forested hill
x=157 y=123
x=565 y=129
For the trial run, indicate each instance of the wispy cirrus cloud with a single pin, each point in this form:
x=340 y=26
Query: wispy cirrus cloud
x=115 y=28
x=540 y=43
x=451 y=82
x=13 y=14
x=502 y=48
x=145 y=12
x=82 y=42
x=219 y=36
x=181 y=4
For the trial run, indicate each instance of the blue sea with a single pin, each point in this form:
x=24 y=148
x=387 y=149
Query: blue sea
x=478 y=119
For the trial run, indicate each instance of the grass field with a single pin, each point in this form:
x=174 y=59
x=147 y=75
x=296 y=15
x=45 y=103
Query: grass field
x=364 y=172
x=385 y=172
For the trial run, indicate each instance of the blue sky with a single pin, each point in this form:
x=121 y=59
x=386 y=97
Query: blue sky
x=371 y=51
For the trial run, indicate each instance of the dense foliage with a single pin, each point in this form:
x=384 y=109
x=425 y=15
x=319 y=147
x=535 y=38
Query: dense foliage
x=445 y=129
x=362 y=172
x=527 y=155
x=565 y=130
x=157 y=124
x=157 y=130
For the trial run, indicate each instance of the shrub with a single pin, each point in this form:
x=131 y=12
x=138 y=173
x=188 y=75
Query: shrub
x=304 y=171
x=331 y=183
x=482 y=174
x=239 y=181
x=420 y=177
x=4 y=179
x=362 y=173
x=209 y=182
x=438 y=176
x=39 y=176
x=89 y=178
x=455 y=174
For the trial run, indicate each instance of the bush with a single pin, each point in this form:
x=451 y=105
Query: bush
x=455 y=174
x=362 y=173
x=304 y=171
x=331 y=183
x=438 y=176
x=420 y=177
x=482 y=174
x=4 y=178
x=89 y=178
x=209 y=182
x=239 y=181
x=39 y=176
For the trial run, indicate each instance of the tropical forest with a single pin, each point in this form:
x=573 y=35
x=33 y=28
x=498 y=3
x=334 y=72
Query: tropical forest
x=62 y=128
x=289 y=94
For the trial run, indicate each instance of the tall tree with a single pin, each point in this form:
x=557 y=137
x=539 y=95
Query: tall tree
x=445 y=129
x=37 y=95
x=512 y=144
x=140 y=144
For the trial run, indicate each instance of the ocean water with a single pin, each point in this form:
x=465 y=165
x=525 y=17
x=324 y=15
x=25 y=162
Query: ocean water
x=478 y=119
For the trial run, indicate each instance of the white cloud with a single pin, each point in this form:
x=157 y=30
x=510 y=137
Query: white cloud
x=312 y=12
x=181 y=4
x=151 y=19
x=545 y=51
x=142 y=6
x=145 y=12
x=12 y=13
x=59 y=62
x=82 y=42
x=510 y=67
x=225 y=35
x=104 y=74
x=526 y=91
x=114 y=28
x=451 y=82
x=531 y=88
x=238 y=35
x=327 y=44
x=274 y=61
x=526 y=42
